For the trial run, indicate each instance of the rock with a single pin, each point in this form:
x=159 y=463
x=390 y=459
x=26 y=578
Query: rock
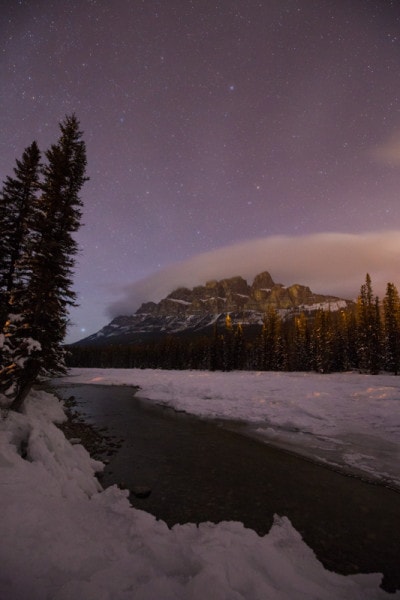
x=263 y=281
x=185 y=310
x=141 y=491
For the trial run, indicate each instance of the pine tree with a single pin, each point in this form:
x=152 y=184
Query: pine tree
x=391 y=308
x=52 y=268
x=343 y=333
x=271 y=342
x=368 y=329
x=239 y=349
x=300 y=359
x=227 y=345
x=18 y=202
x=322 y=342
x=39 y=316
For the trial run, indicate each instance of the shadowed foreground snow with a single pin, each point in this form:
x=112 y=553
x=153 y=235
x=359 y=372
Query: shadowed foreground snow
x=61 y=537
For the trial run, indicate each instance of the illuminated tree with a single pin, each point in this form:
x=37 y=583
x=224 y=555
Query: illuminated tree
x=391 y=308
x=368 y=329
x=300 y=348
x=271 y=341
x=322 y=342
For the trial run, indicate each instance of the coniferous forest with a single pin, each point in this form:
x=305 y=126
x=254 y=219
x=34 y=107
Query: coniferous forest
x=365 y=338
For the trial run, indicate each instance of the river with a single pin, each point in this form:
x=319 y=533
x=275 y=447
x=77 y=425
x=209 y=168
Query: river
x=198 y=470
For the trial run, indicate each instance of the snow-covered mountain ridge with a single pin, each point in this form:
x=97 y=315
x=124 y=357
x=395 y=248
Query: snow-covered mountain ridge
x=197 y=310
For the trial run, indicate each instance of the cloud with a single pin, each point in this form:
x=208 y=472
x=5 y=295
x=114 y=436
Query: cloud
x=388 y=153
x=329 y=263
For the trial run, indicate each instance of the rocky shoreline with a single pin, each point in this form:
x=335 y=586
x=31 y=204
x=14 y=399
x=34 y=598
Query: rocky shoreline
x=97 y=441
x=100 y=444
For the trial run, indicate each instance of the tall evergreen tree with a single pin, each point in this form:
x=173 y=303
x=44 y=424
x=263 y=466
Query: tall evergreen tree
x=271 y=341
x=343 y=332
x=239 y=348
x=39 y=316
x=391 y=308
x=322 y=345
x=18 y=203
x=300 y=351
x=227 y=345
x=368 y=329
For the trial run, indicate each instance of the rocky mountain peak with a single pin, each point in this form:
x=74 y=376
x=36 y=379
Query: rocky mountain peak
x=263 y=281
x=235 y=294
x=199 y=309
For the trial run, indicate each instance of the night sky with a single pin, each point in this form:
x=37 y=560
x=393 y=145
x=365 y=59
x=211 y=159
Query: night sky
x=209 y=126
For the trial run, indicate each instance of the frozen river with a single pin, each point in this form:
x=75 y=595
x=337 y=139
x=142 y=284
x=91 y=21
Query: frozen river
x=199 y=471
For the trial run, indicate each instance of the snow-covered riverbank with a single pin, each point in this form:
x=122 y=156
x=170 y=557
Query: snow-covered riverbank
x=345 y=419
x=61 y=537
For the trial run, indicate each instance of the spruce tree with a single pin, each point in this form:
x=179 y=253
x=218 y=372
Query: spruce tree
x=18 y=202
x=301 y=360
x=39 y=312
x=343 y=333
x=271 y=341
x=51 y=281
x=368 y=329
x=322 y=342
x=239 y=348
x=391 y=308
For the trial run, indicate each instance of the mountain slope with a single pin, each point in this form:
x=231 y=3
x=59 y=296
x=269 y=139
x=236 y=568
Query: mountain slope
x=198 y=310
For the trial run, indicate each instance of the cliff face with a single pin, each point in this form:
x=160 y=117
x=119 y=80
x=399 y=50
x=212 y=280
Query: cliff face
x=186 y=312
x=234 y=294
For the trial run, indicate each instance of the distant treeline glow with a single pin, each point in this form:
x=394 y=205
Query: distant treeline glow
x=365 y=338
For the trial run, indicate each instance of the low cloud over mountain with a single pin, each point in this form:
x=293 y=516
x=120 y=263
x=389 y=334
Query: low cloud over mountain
x=329 y=263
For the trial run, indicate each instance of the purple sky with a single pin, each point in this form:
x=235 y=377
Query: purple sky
x=208 y=124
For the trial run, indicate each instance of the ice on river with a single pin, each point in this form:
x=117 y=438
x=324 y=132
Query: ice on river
x=345 y=419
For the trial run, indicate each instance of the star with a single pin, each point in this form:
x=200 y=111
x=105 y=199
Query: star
x=205 y=127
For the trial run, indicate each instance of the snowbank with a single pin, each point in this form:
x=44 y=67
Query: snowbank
x=61 y=537
x=348 y=420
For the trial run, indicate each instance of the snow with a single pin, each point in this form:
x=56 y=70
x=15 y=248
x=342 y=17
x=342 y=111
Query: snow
x=62 y=537
x=348 y=420
x=177 y=301
x=213 y=298
x=30 y=345
x=332 y=306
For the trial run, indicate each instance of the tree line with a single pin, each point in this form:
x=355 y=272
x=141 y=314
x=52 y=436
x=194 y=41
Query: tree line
x=365 y=337
x=40 y=210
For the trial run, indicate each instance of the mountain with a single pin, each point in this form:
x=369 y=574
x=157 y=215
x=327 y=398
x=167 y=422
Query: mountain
x=187 y=312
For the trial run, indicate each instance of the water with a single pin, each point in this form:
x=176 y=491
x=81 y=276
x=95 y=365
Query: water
x=199 y=471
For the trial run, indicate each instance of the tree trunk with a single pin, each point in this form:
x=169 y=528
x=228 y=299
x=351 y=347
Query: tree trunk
x=28 y=378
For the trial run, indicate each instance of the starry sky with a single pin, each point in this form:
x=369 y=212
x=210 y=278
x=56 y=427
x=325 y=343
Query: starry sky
x=209 y=126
